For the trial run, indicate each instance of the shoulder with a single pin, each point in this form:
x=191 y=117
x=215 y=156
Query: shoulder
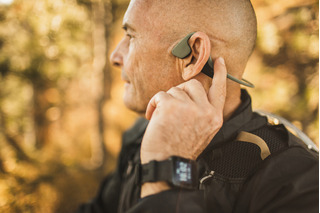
x=240 y=159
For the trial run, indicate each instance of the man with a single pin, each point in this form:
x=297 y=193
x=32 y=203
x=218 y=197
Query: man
x=229 y=158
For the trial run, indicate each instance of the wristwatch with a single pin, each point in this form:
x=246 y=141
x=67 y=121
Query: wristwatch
x=177 y=171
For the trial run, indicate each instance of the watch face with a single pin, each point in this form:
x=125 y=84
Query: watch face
x=183 y=172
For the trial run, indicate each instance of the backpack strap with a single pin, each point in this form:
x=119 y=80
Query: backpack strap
x=276 y=119
x=251 y=138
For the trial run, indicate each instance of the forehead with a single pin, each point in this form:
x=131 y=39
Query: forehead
x=136 y=14
x=145 y=16
x=153 y=21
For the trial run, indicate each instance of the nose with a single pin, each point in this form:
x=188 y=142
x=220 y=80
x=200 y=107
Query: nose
x=116 y=56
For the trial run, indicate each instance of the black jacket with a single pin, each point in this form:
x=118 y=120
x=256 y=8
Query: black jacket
x=286 y=181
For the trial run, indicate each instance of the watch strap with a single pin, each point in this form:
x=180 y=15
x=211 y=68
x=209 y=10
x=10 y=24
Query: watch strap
x=156 y=171
x=176 y=171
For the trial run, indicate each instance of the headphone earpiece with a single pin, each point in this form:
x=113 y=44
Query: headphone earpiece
x=183 y=50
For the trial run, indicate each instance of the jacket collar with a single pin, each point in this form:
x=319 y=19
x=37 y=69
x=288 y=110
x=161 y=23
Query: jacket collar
x=243 y=119
x=135 y=133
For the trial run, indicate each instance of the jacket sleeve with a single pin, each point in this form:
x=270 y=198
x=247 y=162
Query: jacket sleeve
x=172 y=201
x=287 y=182
x=107 y=198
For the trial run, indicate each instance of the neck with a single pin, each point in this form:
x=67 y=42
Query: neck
x=233 y=99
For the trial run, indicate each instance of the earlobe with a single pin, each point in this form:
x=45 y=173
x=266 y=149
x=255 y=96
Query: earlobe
x=200 y=51
x=188 y=72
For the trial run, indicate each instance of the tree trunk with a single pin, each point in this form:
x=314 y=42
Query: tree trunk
x=101 y=13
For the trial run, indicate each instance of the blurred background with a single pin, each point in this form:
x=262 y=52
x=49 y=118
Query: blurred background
x=61 y=110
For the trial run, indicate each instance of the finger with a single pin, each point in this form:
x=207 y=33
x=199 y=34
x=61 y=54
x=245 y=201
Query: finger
x=179 y=94
x=217 y=91
x=195 y=90
x=155 y=102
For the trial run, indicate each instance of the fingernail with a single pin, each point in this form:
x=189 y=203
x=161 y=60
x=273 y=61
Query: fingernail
x=221 y=60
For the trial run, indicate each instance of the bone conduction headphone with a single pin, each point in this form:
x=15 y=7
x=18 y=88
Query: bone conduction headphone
x=182 y=50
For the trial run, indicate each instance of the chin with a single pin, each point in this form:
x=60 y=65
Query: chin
x=135 y=105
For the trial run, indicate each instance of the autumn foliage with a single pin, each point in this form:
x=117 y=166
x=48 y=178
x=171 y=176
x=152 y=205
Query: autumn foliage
x=61 y=110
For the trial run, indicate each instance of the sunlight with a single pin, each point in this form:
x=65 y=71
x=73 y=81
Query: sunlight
x=6 y=2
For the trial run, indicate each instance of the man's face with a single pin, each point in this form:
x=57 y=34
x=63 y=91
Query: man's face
x=144 y=57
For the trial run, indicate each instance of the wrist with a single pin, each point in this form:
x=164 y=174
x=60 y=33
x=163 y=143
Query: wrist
x=154 y=188
x=157 y=176
x=147 y=156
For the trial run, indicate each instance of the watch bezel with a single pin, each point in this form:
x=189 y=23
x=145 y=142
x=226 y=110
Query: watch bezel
x=176 y=181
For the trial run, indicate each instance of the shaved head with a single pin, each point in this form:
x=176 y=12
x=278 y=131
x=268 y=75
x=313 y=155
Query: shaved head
x=224 y=28
x=230 y=24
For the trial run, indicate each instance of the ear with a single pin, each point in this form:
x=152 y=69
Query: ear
x=199 y=43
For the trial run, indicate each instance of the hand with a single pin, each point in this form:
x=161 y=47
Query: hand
x=183 y=121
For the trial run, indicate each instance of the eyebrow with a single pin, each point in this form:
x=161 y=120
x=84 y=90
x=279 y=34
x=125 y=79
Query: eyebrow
x=127 y=26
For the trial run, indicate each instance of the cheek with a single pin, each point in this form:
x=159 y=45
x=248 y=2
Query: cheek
x=139 y=66
x=151 y=71
x=138 y=75
x=131 y=64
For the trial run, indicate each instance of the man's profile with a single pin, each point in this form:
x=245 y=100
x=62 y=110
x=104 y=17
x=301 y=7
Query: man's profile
x=203 y=148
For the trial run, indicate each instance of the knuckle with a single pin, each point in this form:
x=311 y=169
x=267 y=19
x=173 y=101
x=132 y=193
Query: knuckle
x=173 y=90
x=218 y=120
x=194 y=82
x=208 y=113
x=214 y=119
x=160 y=95
x=170 y=90
x=176 y=89
x=177 y=93
x=164 y=95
